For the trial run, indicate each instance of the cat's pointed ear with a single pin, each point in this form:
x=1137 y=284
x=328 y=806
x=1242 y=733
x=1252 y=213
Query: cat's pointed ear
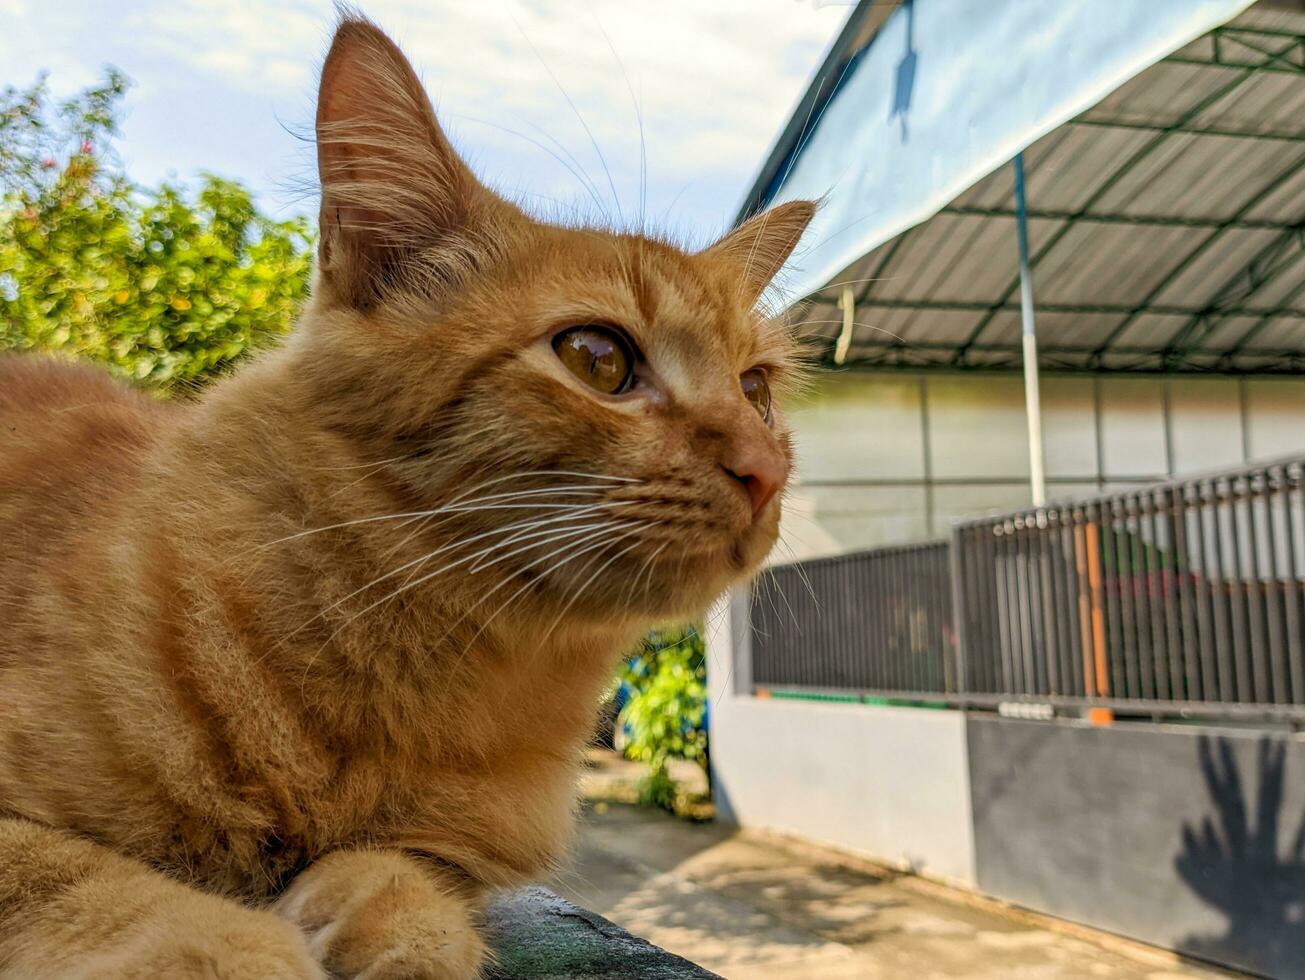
x=760 y=246
x=393 y=187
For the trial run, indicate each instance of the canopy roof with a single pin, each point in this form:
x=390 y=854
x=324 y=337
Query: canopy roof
x=1166 y=223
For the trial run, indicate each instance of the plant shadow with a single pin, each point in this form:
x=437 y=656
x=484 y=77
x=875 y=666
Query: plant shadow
x=1237 y=861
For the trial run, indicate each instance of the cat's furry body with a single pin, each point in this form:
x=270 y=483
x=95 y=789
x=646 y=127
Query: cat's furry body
x=213 y=711
x=161 y=690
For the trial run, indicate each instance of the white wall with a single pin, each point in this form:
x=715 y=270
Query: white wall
x=888 y=458
x=889 y=783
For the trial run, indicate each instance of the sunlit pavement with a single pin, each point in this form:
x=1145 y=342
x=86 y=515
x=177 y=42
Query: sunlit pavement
x=748 y=907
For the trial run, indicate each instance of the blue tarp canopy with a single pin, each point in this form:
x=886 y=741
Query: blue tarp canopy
x=1164 y=144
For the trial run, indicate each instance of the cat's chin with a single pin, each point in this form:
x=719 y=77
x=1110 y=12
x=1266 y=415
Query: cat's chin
x=700 y=576
x=744 y=556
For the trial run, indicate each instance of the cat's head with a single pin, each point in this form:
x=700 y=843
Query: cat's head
x=596 y=413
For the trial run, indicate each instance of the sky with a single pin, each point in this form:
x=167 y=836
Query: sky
x=530 y=90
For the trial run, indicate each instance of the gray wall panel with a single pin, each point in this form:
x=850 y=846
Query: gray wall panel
x=886 y=782
x=1186 y=837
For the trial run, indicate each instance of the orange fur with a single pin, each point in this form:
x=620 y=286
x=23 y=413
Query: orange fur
x=237 y=692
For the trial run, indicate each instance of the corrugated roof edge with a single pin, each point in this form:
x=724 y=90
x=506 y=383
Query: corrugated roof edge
x=858 y=31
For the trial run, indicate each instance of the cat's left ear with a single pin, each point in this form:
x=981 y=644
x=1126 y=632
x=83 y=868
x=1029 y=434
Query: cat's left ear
x=393 y=187
x=760 y=246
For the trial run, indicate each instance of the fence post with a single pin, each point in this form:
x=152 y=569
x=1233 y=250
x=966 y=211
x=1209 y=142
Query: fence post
x=956 y=553
x=740 y=632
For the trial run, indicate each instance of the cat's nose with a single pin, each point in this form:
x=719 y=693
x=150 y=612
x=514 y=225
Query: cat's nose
x=760 y=470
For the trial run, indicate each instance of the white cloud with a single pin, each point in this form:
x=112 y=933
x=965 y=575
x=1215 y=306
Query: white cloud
x=234 y=41
x=714 y=80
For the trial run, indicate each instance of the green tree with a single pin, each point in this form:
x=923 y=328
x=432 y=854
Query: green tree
x=664 y=717
x=163 y=285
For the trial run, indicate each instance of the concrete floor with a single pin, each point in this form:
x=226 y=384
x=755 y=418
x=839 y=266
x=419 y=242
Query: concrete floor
x=754 y=908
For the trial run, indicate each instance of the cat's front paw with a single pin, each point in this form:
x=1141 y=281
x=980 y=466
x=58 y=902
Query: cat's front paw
x=378 y=915
x=197 y=941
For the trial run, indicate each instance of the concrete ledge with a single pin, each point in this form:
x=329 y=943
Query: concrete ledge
x=536 y=935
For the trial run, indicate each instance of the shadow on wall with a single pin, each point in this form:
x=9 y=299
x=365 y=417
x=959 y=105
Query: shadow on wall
x=1235 y=862
x=905 y=86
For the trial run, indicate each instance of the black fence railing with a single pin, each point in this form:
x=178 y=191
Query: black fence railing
x=1183 y=598
x=877 y=622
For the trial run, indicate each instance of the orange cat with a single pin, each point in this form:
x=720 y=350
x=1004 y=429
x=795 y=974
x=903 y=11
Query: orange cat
x=293 y=675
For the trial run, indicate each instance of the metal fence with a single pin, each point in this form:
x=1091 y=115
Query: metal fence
x=877 y=622
x=1188 y=593
x=1183 y=598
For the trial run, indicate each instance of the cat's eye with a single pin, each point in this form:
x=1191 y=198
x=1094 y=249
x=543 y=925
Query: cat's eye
x=599 y=356
x=756 y=389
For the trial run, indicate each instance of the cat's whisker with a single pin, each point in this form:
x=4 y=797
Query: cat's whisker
x=729 y=661
x=770 y=598
x=690 y=632
x=416 y=562
x=577 y=593
x=638 y=526
x=413 y=584
x=471 y=506
x=858 y=323
x=370 y=471
x=801 y=571
x=792 y=160
x=519 y=526
x=793 y=616
x=564 y=156
x=753 y=602
x=638 y=115
x=549 y=534
x=600 y=477
x=523 y=474
x=423 y=523
x=616 y=199
x=570 y=511
x=632 y=590
x=463 y=506
x=645 y=573
x=332 y=527
x=526 y=534
x=360 y=466
x=526 y=474
x=742 y=287
x=587 y=582
x=779 y=590
x=857 y=282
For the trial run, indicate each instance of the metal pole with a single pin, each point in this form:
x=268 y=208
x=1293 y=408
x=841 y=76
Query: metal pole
x=1032 y=401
